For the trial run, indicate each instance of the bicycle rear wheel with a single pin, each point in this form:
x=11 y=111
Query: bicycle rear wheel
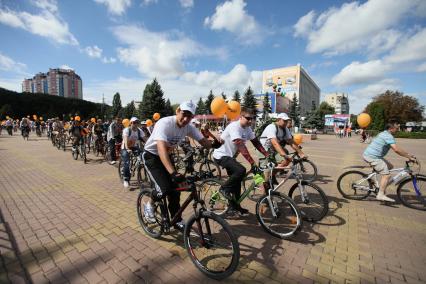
x=412 y=193
x=354 y=185
x=213 y=199
x=142 y=177
x=153 y=227
x=308 y=170
x=211 y=245
x=288 y=219
x=314 y=205
x=121 y=170
x=75 y=153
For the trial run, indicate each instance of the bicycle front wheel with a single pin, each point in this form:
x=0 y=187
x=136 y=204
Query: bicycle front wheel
x=280 y=217
x=412 y=192
x=210 y=168
x=214 y=200
x=308 y=170
x=75 y=153
x=311 y=200
x=151 y=225
x=211 y=245
x=354 y=185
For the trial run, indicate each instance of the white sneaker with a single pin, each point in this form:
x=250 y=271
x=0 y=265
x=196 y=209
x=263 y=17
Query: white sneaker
x=112 y=162
x=382 y=197
x=126 y=184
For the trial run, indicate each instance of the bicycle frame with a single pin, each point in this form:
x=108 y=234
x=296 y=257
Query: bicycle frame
x=373 y=176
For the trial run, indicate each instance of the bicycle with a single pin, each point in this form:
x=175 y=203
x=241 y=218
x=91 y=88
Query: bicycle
x=306 y=167
x=208 y=238
x=80 y=150
x=135 y=166
x=358 y=185
x=271 y=207
x=199 y=155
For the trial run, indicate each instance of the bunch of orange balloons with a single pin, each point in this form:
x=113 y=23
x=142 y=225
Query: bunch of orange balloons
x=220 y=108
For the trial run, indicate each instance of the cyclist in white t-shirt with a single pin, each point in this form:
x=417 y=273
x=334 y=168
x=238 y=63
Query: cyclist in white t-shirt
x=167 y=134
x=234 y=138
x=132 y=138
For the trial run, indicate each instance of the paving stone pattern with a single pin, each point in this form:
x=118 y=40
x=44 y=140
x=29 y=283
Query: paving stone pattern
x=63 y=221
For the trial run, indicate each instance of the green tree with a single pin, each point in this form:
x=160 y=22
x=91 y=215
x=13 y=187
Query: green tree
x=116 y=105
x=249 y=100
x=6 y=110
x=168 y=108
x=201 y=108
x=295 y=110
x=152 y=101
x=266 y=107
x=400 y=107
x=174 y=107
x=223 y=96
x=325 y=108
x=129 y=110
x=237 y=96
x=208 y=102
x=378 y=116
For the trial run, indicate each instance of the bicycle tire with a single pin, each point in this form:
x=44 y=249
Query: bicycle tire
x=141 y=175
x=256 y=193
x=210 y=241
x=308 y=170
x=75 y=154
x=121 y=170
x=58 y=144
x=308 y=207
x=404 y=189
x=64 y=146
x=215 y=202
x=146 y=193
x=210 y=167
x=346 y=192
x=292 y=222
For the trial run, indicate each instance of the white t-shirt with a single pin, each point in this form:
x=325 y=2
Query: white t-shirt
x=166 y=129
x=273 y=131
x=133 y=137
x=232 y=132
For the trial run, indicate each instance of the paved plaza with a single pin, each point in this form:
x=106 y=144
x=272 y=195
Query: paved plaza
x=62 y=221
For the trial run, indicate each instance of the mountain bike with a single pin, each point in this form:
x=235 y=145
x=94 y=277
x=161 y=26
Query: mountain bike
x=135 y=166
x=209 y=240
x=411 y=189
x=277 y=213
x=198 y=156
x=80 y=150
x=307 y=168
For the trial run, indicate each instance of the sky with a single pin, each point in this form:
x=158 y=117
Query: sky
x=361 y=48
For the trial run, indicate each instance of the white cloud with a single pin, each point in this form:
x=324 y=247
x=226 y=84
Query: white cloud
x=186 y=3
x=414 y=48
x=13 y=84
x=64 y=66
x=94 y=51
x=158 y=54
x=190 y=86
x=353 y=26
x=9 y=65
x=232 y=17
x=422 y=67
x=359 y=73
x=116 y=7
x=149 y=2
x=47 y=24
x=109 y=60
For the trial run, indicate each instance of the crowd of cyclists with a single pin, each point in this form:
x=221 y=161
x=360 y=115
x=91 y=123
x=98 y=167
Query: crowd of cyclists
x=122 y=139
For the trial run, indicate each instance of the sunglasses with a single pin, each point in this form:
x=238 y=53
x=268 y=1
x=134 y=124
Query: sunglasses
x=248 y=117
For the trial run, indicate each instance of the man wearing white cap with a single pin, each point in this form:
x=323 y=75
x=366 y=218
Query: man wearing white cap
x=168 y=133
x=274 y=137
x=132 y=138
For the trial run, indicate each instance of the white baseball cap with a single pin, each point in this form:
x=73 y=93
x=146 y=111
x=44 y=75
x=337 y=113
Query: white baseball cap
x=134 y=119
x=188 y=106
x=283 y=116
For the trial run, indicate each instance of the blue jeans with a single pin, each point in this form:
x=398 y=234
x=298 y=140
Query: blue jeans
x=125 y=158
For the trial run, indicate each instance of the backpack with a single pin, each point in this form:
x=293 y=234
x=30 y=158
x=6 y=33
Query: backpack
x=264 y=123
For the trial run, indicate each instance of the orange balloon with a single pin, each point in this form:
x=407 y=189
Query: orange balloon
x=298 y=139
x=234 y=110
x=218 y=107
x=93 y=120
x=156 y=116
x=364 y=120
x=126 y=122
x=149 y=122
x=77 y=118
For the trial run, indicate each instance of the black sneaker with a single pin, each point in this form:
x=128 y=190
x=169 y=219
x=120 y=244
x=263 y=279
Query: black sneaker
x=225 y=193
x=242 y=211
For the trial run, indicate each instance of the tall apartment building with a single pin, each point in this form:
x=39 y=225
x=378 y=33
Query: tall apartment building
x=290 y=81
x=339 y=101
x=57 y=82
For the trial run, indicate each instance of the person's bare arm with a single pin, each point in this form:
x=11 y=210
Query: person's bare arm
x=402 y=153
x=164 y=156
